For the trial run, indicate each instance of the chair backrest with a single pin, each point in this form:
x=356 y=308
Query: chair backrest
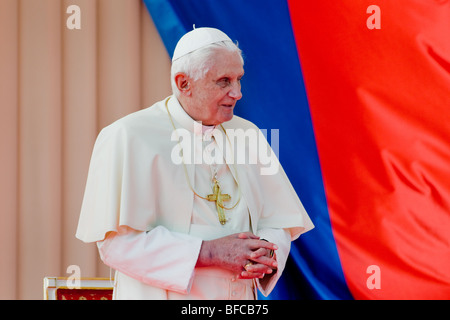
x=64 y=288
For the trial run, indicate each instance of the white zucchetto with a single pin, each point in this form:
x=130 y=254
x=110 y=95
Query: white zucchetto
x=196 y=39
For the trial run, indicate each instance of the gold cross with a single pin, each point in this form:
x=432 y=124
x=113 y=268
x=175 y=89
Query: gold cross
x=219 y=198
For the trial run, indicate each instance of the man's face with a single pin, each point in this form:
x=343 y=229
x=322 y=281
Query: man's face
x=214 y=96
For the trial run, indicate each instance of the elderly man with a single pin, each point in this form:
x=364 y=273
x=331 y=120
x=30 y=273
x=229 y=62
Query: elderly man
x=205 y=227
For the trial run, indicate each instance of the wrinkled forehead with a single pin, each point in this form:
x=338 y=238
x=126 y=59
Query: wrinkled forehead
x=224 y=62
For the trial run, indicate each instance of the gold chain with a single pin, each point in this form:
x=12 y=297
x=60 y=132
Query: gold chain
x=185 y=169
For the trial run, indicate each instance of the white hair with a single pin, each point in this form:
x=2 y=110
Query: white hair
x=197 y=63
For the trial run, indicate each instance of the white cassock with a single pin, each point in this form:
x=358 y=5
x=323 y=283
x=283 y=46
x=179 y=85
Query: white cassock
x=148 y=224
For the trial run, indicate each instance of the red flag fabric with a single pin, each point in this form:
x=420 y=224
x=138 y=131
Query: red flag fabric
x=377 y=79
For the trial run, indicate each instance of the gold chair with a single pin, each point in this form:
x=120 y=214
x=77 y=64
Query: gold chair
x=62 y=288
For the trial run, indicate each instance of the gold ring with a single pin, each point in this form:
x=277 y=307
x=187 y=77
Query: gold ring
x=248 y=264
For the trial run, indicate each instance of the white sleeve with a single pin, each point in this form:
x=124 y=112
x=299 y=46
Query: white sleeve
x=157 y=257
x=282 y=238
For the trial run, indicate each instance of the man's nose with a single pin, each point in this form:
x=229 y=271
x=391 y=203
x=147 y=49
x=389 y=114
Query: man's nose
x=235 y=91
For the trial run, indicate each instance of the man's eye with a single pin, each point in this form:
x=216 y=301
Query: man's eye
x=223 y=82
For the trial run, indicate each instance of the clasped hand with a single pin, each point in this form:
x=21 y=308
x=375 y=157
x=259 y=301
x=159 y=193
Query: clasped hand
x=242 y=253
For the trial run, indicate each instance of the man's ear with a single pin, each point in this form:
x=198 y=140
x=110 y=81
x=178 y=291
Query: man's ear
x=182 y=82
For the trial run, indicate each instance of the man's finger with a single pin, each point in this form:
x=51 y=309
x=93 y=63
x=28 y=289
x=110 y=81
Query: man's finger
x=258 y=268
x=250 y=275
x=256 y=244
x=266 y=261
x=259 y=253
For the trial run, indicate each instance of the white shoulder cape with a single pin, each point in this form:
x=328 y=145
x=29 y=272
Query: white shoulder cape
x=132 y=181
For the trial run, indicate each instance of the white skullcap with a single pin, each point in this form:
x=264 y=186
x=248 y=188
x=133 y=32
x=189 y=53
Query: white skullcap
x=196 y=39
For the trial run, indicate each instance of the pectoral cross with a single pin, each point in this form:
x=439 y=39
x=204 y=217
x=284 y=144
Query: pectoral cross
x=219 y=198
